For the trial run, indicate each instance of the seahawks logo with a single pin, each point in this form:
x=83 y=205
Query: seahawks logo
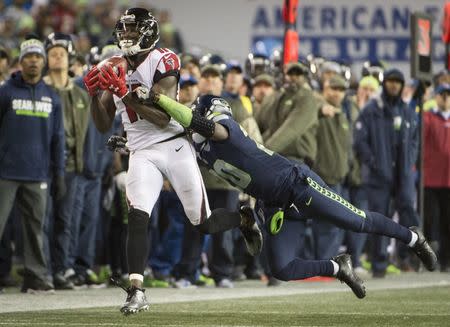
x=219 y=105
x=220 y=102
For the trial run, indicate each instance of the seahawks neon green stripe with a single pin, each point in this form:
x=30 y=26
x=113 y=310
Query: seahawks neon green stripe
x=32 y=113
x=176 y=110
x=335 y=197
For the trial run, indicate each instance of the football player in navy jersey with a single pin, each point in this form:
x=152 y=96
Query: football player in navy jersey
x=224 y=147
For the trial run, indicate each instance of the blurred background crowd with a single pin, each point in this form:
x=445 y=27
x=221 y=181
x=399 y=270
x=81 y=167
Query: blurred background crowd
x=359 y=130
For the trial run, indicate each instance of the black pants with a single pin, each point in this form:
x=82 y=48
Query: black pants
x=437 y=221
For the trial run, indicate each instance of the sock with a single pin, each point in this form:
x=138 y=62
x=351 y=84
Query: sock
x=414 y=238
x=136 y=276
x=137 y=241
x=335 y=267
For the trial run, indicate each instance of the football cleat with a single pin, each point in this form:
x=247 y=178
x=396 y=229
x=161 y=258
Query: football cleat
x=250 y=230
x=136 y=300
x=347 y=275
x=423 y=250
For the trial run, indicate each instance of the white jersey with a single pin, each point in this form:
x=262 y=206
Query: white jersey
x=159 y=63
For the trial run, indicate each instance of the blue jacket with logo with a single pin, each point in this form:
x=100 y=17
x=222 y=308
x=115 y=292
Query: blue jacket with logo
x=386 y=141
x=31 y=131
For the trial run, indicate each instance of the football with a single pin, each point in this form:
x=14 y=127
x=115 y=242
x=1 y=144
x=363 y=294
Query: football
x=115 y=62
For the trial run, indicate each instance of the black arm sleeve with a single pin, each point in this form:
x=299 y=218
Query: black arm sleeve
x=201 y=125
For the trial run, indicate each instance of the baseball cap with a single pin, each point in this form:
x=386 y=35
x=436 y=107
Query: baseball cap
x=234 y=65
x=296 y=68
x=442 y=88
x=264 y=78
x=31 y=46
x=186 y=80
x=337 y=82
x=213 y=70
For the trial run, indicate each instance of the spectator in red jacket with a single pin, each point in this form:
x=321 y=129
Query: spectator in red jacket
x=437 y=174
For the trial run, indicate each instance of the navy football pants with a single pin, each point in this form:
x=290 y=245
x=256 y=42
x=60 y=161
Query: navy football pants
x=314 y=199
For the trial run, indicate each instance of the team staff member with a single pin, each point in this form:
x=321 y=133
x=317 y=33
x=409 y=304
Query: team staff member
x=386 y=142
x=75 y=105
x=31 y=145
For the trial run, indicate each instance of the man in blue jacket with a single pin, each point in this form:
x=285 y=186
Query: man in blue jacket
x=386 y=142
x=31 y=146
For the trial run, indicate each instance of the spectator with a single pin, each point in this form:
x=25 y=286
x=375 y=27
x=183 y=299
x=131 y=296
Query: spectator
x=386 y=142
x=31 y=119
x=437 y=174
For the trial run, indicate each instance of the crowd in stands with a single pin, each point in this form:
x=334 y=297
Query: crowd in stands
x=360 y=131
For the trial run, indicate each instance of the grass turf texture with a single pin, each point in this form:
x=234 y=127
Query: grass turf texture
x=407 y=307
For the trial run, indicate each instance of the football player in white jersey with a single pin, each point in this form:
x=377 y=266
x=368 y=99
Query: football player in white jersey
x=158 y=144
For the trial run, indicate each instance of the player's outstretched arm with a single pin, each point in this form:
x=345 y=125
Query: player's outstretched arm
x=190 y=119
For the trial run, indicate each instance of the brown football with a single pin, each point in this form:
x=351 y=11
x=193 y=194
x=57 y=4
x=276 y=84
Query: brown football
x=115 y=62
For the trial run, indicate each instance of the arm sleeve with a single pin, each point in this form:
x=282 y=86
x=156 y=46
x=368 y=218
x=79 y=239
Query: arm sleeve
x=58 y=139
x=176 y=110
x=295 y=125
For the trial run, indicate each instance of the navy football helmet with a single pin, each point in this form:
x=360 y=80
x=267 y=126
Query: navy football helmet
x=210 y=106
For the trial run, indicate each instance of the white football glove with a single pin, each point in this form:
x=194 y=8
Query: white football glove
x=142 y=92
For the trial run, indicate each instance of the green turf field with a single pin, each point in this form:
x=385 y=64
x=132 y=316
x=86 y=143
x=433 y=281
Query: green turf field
x=403 y=307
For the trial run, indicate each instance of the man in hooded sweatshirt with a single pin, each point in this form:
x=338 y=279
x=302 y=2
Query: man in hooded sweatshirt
x=386 y=141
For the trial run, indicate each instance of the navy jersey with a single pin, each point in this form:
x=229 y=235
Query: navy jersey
x=248 y=165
